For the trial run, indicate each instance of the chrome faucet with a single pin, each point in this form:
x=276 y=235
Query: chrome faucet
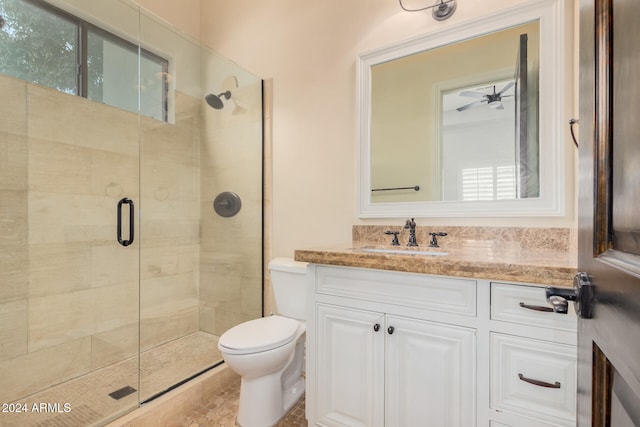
x=411 y=226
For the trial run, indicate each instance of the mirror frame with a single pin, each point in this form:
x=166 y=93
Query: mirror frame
x=550 y=13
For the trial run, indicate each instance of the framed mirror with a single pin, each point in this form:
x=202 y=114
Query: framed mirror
x=466 y=121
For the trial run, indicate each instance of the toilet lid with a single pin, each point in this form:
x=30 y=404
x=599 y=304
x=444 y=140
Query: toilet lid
x=259 y=334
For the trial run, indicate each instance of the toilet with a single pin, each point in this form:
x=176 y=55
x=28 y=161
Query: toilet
x=268 y=353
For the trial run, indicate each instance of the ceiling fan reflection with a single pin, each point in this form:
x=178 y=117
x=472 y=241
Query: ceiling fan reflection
x=493 y=100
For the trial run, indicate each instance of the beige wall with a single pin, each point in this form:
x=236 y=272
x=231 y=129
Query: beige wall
x=183 y=15
x=309 y=49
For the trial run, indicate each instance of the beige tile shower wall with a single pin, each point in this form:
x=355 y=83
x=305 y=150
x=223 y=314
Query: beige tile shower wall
x=14 y=262
x=170 y=206
x=68 y=292
x=231 y=248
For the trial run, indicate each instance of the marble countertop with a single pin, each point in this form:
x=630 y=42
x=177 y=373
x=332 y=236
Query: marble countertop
x=475 y=259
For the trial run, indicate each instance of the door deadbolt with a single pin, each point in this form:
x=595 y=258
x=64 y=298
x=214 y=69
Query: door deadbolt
x=581 y=294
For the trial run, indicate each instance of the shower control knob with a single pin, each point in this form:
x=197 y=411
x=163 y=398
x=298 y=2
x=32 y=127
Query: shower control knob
x=390 y=330
x=376 y=327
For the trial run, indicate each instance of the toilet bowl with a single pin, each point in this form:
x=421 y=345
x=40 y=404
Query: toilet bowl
x=268 y=353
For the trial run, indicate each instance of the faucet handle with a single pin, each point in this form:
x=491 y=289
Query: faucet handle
x=395 y=241
x=433 y=243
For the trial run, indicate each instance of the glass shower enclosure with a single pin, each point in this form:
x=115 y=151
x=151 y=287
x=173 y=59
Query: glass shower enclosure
x=131 y=225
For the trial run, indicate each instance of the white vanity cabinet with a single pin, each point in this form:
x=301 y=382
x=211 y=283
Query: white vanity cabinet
x=401 y=349
x=376 y=357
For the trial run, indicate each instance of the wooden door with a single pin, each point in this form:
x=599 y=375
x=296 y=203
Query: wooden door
x=609 y=212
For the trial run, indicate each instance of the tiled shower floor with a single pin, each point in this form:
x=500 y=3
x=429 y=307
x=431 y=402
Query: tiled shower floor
x=88 y=395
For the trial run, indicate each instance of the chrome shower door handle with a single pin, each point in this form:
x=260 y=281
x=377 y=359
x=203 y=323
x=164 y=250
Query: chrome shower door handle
x=125 y=201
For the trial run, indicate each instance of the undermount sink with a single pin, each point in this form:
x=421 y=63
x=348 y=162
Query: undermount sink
x=403 y=251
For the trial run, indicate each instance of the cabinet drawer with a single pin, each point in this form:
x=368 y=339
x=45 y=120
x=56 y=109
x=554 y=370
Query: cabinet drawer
x=517 y=304
x=451 y=295
x=517 y=364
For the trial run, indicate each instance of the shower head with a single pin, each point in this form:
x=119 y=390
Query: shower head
x=215 y=101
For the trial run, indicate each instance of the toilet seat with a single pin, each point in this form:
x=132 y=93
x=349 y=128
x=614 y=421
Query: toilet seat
x=258 y=335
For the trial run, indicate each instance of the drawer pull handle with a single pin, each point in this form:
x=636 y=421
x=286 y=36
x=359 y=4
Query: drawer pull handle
x=390 y=330
x=376 y=327
x=536 y=307
x=538 y=382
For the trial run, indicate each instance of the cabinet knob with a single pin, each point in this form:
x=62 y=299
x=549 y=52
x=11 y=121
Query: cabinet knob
x=390 y=330
x=376 y=327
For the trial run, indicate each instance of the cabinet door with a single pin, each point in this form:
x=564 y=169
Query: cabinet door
x=350 y=367
x=430 y=374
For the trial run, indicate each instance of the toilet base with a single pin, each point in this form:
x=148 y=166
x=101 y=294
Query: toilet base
x=291 y=396
x=293 y=383
x=256 y=411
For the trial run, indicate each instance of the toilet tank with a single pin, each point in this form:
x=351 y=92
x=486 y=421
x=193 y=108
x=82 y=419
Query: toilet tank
x=288 y=280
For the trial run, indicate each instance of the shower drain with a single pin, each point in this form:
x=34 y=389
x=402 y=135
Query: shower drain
x=122 y=392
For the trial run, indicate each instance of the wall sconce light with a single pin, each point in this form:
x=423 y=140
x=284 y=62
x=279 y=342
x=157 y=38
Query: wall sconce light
x=443 y=9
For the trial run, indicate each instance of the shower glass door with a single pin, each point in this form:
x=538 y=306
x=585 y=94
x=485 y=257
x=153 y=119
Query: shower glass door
x=171 y=347
x=69 y=294
x=117 y=272
x=200 y=271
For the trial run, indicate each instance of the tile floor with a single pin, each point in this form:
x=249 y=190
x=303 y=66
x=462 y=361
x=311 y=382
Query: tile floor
x=221 y=412
x=159 y=367
x=88 y=395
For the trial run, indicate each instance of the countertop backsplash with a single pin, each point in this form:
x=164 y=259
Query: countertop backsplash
x=553 y=238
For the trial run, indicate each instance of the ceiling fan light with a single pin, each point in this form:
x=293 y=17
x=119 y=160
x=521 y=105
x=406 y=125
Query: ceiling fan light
x=495 y=104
